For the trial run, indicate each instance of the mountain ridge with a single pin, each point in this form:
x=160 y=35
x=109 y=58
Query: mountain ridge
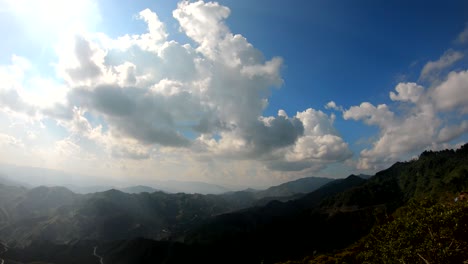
x=330 y=218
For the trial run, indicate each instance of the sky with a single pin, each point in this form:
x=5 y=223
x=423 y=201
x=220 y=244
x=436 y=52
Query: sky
x=239 y=93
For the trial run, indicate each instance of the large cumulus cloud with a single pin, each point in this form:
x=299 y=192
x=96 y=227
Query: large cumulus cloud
x=431 y=119
x=146 y=104
x=136 y=94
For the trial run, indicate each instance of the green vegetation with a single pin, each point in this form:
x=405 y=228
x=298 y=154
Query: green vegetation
x=425 y=232
x=416 y=220
x=421 y=232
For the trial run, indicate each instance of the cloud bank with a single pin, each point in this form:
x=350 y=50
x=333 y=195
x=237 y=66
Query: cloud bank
x=144 y=96
x=147 y=105
x=431 y=118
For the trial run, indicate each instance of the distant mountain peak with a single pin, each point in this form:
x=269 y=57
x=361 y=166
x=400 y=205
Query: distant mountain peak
x=302 y=185
x=139 y=189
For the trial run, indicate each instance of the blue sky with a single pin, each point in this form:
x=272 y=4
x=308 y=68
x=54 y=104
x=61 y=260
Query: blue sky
x=230 y=92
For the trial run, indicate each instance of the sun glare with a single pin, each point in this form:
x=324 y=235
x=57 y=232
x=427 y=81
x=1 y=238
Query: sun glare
x=52 y=18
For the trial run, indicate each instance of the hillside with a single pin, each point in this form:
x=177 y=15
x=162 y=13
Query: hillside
x=432 y=175
x=339 y=213
x=424 y=231
x=404 y=195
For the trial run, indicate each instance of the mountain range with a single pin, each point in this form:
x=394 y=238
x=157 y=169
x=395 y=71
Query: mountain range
x=293 y=221
x=32 y=177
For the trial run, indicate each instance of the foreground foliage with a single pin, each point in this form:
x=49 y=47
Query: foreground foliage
x=422 y=232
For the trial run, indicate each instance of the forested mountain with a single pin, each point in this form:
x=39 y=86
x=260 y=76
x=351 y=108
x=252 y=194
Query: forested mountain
x=55 y=225
x=426 y=225
x=139 y=189
x=300 y=186
x=59 y=215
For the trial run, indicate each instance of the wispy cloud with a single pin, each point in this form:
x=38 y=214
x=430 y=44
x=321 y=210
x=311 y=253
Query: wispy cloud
x=463 y=36
x=432 y=69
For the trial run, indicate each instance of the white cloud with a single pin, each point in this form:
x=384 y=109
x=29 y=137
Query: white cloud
x=12 y=93
x=12 y=75
x=463 y=36
x=411 y=134
x=449 y=133
x=371 y=115
x=24 y=91
x=149 y=102
x=326 y=147
x=398 y=134
x=332 y=105
x=10 y=141
x=67 y=148
x=81 y=61
x=407 y=92
x=319 y=145
x=453 y=92
x=202 y=22
x=418 y=125
x=46 y=20
x=178 y=89
x=157 y=31
x=431 y=70
x=12 y=100
x=86 y=67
